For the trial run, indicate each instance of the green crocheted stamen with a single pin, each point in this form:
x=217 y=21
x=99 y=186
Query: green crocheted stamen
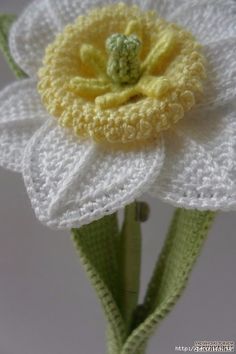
x=123 y=64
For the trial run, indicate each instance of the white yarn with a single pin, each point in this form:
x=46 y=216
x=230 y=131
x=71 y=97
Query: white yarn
x=221 y=70
x=208 y=20
x=21 y=115
x=200 y=165
x=165 y=8
x=30 y=35
x=72 y=182
x=66 y=11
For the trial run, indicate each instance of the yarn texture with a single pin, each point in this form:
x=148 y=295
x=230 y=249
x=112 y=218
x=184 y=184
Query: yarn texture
x=134 y=80
x=73 y=181
x=123 y=50
x=185 y=239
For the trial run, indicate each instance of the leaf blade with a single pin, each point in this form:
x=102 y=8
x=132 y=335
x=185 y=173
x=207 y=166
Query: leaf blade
x=6 y=22
x=97 y=246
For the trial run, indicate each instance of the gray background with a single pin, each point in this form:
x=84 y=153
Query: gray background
x=46 y=303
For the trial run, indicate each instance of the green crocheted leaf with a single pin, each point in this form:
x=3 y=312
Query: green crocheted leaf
x=97 y=245
x=5 y=25
x=186 y=236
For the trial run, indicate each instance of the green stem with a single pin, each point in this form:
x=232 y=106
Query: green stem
x=130 y=251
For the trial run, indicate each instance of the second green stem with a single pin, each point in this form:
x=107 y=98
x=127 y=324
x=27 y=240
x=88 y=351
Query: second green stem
x=130 y=252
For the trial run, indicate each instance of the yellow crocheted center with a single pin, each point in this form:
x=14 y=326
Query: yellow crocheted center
x=76 y=88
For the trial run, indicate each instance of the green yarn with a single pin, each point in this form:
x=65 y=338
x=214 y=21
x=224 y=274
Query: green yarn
x=130 y=263
x=99 y=245
x=143 y=211
x=5 y=25
x=183 y=244
x=123 y=64
x=185 y=239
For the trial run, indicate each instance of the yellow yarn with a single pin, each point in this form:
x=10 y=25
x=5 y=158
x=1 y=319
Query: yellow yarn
x=75 y=87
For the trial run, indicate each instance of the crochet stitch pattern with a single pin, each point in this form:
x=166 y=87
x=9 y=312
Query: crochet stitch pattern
x=123 y=64
x=186 y=237
x=109 y=63
x=96 y=85
x=190 y=165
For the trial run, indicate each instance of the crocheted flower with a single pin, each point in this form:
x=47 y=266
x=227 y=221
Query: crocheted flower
x=134 y=80
x=120 y=101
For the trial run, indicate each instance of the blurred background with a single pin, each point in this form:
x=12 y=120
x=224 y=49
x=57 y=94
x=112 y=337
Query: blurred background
x=46 y=303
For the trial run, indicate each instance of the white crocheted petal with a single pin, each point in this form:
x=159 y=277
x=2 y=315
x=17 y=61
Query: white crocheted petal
x=200 y=165
x=65 y=11
x=221 y=75
x=165 y=8
x=208 y=20
x=21 y=115
x=72 y=182
x=30 y=35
